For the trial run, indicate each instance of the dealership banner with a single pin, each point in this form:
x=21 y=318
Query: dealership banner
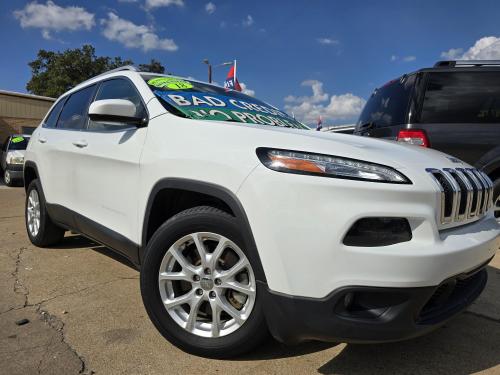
x=203 y=106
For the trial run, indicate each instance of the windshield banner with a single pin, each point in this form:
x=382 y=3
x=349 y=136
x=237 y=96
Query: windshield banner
x=203 y=106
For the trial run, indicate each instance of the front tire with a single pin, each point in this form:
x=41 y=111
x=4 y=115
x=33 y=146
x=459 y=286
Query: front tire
x=7 y=178
x=41 y=230
x=199 y=287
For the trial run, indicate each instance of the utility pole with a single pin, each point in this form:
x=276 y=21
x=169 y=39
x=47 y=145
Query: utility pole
x=205 y=61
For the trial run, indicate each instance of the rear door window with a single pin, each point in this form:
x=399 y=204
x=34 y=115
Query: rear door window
x=388 y=105
x=462 y=97
x=74 y=113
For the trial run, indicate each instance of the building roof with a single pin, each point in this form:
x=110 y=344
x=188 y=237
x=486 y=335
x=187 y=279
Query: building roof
x=30 y=96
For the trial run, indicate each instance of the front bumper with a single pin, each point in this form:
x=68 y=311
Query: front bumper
x=371 y=314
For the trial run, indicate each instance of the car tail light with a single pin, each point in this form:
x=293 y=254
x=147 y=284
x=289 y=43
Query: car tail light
x=414 y=137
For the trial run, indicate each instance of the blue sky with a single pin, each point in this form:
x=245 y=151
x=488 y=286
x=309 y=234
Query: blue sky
x=312 y=58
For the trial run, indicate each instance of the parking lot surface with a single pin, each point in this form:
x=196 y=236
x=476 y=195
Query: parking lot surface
x=86 y=316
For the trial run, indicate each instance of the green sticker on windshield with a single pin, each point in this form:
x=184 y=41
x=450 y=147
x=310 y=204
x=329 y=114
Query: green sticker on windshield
x=170 y=82
x=17 y=139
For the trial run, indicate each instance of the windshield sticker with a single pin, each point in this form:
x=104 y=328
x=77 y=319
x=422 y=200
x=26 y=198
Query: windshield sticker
x=17 y=139
x=170 y=83
x=203 y=106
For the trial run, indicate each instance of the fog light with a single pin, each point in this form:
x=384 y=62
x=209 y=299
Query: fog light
x=378 y=231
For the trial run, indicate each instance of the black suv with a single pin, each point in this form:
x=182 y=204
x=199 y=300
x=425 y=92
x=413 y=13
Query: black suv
x=453 y=107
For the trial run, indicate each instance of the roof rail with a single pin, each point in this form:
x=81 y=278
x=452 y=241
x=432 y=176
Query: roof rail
x=119 y=69
x=453 y=63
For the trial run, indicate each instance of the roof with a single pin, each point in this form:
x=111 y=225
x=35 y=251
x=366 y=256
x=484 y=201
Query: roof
x=30 y=96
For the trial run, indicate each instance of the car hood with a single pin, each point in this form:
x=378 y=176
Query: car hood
x=395 y=154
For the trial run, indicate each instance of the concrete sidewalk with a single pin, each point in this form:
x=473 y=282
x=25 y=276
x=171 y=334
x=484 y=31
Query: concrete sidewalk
x=86 y=316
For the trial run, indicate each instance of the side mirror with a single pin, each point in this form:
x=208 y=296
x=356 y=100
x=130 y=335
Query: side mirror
x=115 y=111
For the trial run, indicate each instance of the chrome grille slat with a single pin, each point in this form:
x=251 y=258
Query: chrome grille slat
x=465 y=193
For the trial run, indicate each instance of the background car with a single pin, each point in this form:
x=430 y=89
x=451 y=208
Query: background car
x=453 y=107
x=12 y=158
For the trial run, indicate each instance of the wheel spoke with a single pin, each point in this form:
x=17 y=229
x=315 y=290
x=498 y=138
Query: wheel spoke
x=228 y=308
x=234 y=270
x=175 y=276
x=218 y=252
x=216 y=310
x=193 y=313
x=234 y=285
x=200 y=248
x=181 y=259
x=181 y=300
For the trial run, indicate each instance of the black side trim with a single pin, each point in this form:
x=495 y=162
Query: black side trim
x=206 y=188
x=73 y=221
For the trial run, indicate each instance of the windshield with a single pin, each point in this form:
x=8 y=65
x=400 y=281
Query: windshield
x=196 y=100
x=18 y=143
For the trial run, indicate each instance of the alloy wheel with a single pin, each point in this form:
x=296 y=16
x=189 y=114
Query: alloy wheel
x=6 y=178
x=207 y=284
x=33 y=213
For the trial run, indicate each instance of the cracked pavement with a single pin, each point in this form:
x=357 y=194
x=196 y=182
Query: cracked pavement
x=86 y=316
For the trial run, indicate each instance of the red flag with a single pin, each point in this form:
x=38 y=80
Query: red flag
x=231 y=80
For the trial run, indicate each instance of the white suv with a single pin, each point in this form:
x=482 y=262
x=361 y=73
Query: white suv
x=244 y=222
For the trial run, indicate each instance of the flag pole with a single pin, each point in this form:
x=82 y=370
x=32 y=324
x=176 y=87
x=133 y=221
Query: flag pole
x=235 y=72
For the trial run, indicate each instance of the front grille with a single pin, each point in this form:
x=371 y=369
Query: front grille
x=452 y=296
x=466 y=193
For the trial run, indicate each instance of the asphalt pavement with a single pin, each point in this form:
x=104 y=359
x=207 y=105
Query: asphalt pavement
x=76 y=309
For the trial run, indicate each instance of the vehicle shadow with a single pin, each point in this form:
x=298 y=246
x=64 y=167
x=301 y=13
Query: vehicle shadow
x=77 y=241
x=467 y=344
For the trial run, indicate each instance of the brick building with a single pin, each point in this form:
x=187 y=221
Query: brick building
x=21 y=113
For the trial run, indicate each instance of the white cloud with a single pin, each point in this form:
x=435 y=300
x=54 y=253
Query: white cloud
x=327 y=41
x=452 y=54
x=248 y=21
x=487 y=48
x=210 y=8
x=318 y=94
x=134 y=36
x=150 y=4
x=409 y=58
x=51 y=17
x=246 y=90
x=331 y=108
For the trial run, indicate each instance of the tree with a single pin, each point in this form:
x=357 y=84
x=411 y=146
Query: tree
x=54 y=73
x=154 y=67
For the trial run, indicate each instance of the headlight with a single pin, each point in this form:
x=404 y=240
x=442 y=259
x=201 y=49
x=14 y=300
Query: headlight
x=328 y=166
x=16 y=160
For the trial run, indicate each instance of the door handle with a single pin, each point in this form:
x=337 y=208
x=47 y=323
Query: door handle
x=80 y=144
x=42 y=140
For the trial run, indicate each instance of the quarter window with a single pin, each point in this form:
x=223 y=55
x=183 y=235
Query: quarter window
x=74 y=113
x=51 y=119
x=462 y=97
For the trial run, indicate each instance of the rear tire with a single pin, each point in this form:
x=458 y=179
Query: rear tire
x=174 y=250
x=41 y=230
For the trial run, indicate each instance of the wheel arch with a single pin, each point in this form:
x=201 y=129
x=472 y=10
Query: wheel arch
x=30 y=173
x=166 y=191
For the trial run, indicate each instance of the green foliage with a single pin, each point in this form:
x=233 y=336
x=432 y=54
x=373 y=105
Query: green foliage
x=154 y=67
x=54 y=73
